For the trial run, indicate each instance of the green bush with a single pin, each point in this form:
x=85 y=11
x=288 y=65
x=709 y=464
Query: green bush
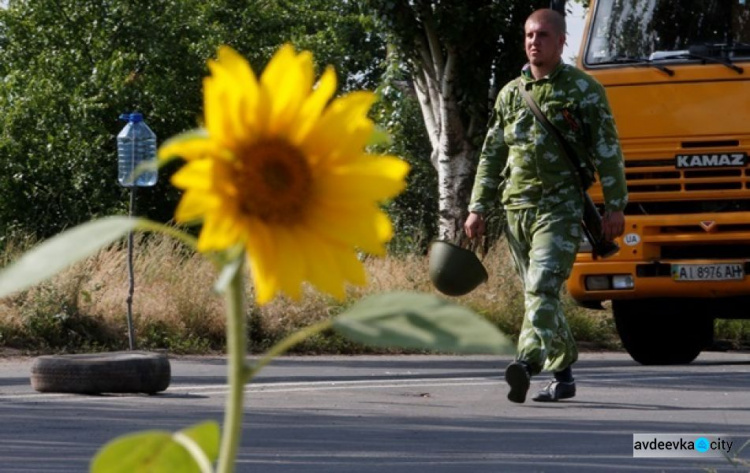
x=71 y=67
x=52 y=321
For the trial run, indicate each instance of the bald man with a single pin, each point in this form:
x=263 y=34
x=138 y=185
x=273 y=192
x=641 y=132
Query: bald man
x=541 y=196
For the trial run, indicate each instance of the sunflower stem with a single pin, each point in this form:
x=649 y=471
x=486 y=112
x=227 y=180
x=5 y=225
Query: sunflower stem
x=236 y=350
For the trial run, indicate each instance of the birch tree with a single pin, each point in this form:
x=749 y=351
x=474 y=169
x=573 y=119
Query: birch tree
x=458 y=54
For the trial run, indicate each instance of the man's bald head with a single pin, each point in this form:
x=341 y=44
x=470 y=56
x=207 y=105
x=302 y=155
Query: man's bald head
x=551 y=17
x=545 y=40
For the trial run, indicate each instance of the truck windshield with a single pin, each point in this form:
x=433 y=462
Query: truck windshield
x=648 y=31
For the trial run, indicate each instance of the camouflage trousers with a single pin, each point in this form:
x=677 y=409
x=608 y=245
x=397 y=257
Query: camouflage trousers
x=544 y=246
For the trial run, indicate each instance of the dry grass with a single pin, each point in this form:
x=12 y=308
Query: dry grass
x=175 y=307
x=173 y=304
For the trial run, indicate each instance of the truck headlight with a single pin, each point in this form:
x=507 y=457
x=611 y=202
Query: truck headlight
x=622 y=281
x=606 y=282
x=598 y=283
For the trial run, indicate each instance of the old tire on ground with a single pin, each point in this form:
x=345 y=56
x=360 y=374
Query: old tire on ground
x=114 y=372
x=663 y=331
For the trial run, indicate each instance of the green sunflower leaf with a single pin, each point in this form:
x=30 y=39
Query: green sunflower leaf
x=59 y=252
x=379 y=137
x=420 y=321
x=206 y=435
x=192 y=450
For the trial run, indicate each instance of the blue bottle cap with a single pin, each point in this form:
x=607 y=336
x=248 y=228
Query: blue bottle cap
x=134 y=117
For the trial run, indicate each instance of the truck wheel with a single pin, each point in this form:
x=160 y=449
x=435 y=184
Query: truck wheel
x=663 y=331
x=115 y=372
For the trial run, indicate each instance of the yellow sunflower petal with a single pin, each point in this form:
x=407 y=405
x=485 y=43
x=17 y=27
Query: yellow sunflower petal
x=325 y=274
x=343 y=130
x=234 y=78
x=288 y=80
x=217 y=121
x=379 y=166
x=266 y=286
x=194 y=205
x=314 y=105
x=383 y=229
x=231 y=97
x=371 y=179
x=189 y=149
x=220 y=231
x=290 y=262
x=195 y=175
x=237 y=66
x=263 y=130
x=261 y=255
x=351 y=267
x=356 y=227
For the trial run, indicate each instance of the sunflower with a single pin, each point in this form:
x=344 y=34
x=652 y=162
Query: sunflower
x=282 y=170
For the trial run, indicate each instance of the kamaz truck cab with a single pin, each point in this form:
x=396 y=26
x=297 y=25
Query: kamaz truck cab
x=677 y=75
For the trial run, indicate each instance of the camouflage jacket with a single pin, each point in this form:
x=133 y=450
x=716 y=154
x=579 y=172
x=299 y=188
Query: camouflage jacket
x=523 y=160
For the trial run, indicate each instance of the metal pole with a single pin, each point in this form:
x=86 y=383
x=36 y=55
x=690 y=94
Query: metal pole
x=131 y=334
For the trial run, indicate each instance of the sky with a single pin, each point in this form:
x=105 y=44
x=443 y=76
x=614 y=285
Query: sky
x=575 y=23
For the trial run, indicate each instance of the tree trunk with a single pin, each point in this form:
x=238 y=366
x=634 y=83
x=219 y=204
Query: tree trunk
x=455 y=179
x=453 y=156
x=459 y=54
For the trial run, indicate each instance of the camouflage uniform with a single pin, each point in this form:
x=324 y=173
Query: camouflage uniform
x=541 y=195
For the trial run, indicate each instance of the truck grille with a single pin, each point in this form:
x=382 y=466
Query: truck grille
x=690 y=235
x=712 y=252
x=660 y=176
x=687 y=213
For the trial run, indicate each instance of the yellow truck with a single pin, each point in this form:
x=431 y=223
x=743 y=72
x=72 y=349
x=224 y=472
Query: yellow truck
x=677 y=74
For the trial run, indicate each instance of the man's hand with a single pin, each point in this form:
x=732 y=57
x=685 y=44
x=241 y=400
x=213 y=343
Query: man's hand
x=613 y=224
x=474 y=225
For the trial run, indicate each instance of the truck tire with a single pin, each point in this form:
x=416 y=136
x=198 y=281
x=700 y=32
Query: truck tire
x=663 y=331
x=115 y=372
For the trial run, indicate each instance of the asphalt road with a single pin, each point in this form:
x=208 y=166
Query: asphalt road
x=398 y=415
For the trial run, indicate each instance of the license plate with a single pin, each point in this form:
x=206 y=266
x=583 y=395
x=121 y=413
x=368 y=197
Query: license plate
x=708 y=272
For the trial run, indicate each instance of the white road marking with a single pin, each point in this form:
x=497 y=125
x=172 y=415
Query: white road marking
x=309 y=386
x=212 y=389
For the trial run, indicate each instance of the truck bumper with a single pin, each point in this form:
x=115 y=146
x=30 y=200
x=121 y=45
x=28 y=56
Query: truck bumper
x=649 y=280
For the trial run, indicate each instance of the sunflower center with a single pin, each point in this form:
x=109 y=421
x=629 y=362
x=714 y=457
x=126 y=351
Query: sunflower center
x=273 y=181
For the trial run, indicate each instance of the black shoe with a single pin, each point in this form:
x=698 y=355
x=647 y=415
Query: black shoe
x=556 y=390
x=518 y=378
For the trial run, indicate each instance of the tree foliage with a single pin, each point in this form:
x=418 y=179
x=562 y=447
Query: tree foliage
x=414 y=212
x=484 y=38
x=71 y=67
x=457 y=56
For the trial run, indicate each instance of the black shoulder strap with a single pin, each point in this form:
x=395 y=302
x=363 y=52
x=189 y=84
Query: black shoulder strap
x=591 y=222
x=568 y=153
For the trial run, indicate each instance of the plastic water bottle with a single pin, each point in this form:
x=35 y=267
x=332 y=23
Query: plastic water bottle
x=136 y=143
